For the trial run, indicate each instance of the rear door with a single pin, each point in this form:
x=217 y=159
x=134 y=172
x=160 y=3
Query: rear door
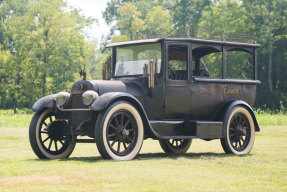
x=206 y=91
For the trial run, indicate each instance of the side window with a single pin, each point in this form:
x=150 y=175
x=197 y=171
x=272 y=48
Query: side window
x=239 y=65
x=177 y=62
x=207 y=62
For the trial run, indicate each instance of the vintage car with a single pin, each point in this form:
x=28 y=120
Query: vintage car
x=169 y=89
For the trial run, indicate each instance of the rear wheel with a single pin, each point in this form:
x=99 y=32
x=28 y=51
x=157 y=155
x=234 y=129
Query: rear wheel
x=44 y=141
x=175 y=146
x=239 y=132
x=119 y=132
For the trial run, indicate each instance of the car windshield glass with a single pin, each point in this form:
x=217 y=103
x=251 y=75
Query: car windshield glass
x=131 y=59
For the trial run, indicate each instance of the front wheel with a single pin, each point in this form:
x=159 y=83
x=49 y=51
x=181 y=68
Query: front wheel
x=119 y=132
x=43 y=140
x=175 y=146
x=239 y=133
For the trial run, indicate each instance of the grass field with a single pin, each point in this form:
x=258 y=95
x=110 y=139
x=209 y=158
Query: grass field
x=204 y=168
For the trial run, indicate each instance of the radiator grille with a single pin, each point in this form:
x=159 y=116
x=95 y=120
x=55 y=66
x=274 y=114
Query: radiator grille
x=78 y=116
x=77 y=101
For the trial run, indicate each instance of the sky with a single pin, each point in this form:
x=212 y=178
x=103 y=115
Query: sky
x=93 y=8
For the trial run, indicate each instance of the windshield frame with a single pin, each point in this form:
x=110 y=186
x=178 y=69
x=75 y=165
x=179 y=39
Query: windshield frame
x=114 y=59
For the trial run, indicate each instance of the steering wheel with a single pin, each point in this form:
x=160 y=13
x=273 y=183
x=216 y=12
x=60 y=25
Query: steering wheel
x=171 y=73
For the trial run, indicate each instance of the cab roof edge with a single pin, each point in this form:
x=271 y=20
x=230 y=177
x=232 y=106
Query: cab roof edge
x=196 y=40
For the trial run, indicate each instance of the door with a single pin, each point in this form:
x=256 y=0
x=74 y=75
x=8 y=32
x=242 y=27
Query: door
x=206 y=91
x=177 y=91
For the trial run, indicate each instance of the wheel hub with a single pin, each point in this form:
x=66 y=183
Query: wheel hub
x=125 y=132
x=57 y=129
x=122 y=133
x=240 y=131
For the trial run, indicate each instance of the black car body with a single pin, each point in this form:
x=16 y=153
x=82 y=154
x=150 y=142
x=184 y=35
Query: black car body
x=181 y=88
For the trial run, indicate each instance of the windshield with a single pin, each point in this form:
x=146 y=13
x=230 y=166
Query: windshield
x=131 y=60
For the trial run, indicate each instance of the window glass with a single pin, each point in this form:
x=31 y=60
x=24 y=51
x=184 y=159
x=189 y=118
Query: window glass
x=207 y=62
x=130 y=60
x=177 y=62
x=239 y=65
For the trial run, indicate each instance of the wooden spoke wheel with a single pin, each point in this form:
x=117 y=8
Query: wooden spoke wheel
x=119 y=132
x=45 y=138
x=122 y=132
x=175 y=146
x=239 y=132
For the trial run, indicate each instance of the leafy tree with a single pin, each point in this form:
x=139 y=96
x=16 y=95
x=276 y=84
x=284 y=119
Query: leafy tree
x=188 y=13
x=269 y=20
x=120 y=38
x=5 y=58
x=47 y=46
x=158 y=18
x=146 y=17
x=228 y=15
x=13 y=13
x=130 y=21
x=97 y=67
x=111 y=12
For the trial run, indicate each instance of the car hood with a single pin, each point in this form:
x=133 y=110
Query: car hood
x=100 y=86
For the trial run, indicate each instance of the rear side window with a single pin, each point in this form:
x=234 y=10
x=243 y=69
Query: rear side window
x=207 y=62
x=212 y=64
x=239 y=65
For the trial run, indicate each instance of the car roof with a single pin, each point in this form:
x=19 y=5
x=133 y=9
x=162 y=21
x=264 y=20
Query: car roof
x=195 y=40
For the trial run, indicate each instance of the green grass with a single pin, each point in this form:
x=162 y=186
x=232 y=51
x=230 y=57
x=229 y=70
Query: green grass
x=204 y=168
x=268 y=117
x=23 y=117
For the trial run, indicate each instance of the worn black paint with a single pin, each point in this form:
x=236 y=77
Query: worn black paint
x=199 y=103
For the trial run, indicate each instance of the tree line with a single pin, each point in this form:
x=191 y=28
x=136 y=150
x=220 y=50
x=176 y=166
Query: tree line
x=43 y=45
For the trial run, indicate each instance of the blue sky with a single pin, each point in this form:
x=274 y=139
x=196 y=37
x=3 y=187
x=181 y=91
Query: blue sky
x=93 y=8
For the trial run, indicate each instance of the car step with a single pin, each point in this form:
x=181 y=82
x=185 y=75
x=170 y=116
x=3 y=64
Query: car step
x=187 y=129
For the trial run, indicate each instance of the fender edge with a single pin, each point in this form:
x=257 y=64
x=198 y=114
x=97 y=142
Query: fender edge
x=48 y=101
x=221 y=114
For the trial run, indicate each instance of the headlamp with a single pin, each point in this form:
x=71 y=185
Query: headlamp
x=62 y=98
x=89 y=96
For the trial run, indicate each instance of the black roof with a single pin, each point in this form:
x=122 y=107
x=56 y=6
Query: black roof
x=137 y=42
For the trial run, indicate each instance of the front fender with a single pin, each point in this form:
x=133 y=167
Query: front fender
x=48 y=101
x=221 y=114
x=106 y=99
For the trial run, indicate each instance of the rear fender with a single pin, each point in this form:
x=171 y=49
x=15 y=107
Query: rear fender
x=48 y=101
x=224 y=111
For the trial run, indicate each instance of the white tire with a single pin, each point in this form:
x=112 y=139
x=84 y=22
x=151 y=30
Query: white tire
x=127 y=134
x=63 y=149
x=239 y=132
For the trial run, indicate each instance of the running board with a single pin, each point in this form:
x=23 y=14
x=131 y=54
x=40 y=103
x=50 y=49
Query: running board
x=85 y=141
x=187 y=129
